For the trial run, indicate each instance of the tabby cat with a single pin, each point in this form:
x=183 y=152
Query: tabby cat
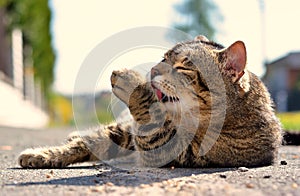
x=201 y=108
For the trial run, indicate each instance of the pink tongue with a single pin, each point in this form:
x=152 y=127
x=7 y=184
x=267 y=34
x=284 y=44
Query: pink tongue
x=159 y=94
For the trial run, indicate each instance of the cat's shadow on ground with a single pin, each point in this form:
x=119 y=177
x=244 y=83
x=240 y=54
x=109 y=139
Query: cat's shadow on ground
x=124 y=177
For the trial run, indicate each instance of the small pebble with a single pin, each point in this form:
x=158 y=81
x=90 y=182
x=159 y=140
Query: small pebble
x=144 y=185
x=243 y=169
x=275 y=187
x=50 y=174
x=294 y=185
x=249 y=185
x=191 y=186
x=97 y=189
x=6 y=148
x=130 y=172
x=267 y=176
x=283 y=162
x=223 y=176
x=109 y=184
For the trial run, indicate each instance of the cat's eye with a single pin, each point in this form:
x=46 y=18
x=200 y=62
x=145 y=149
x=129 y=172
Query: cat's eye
x=184 y=60
x=187 y=62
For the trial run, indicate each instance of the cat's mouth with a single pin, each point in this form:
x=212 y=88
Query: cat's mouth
x=163 y=97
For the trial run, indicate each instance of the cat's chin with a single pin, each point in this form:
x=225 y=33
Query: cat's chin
x=174 y=107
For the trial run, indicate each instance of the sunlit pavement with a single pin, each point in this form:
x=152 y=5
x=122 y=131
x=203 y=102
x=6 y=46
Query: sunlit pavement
x=83 y=179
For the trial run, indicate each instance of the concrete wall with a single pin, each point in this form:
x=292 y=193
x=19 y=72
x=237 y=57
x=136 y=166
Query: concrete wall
x=17 y=112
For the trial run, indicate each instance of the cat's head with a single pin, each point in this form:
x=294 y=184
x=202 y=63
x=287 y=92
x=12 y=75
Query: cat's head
x=191 y=71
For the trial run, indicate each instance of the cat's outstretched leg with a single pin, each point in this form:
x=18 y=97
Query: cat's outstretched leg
x=103 y=143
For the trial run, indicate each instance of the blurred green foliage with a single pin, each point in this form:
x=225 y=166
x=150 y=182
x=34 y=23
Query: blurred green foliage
x=102 y=104
x=90 y=109
x=60 y=110
x=199 y=15
x=33 y=17
x=290 y=120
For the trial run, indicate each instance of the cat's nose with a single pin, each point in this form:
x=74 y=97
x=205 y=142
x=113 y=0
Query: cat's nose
x=154 y=72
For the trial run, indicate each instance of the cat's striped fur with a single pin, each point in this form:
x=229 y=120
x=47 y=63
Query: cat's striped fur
x=202 y=108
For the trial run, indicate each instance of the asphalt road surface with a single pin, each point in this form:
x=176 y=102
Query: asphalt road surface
x=282 y=178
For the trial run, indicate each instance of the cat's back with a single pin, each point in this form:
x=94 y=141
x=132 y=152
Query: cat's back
x=251 y=132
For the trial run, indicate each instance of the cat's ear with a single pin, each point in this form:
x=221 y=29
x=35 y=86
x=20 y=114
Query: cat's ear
x=233 y=60
x=232 y=64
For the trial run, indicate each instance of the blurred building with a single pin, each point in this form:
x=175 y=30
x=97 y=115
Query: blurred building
x=283 y=81
x=5 y=52
x=21 y=102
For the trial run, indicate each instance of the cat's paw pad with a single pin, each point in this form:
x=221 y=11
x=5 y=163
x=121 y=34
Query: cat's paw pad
x=124 y=83
x=32 y=158
x=37 y=158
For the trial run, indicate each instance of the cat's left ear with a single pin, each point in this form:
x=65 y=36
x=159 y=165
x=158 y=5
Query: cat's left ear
x=233 y=60
x=232 y=64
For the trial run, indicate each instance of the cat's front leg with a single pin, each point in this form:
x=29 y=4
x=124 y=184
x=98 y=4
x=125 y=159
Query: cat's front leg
x=138 y=95
x=152 y=129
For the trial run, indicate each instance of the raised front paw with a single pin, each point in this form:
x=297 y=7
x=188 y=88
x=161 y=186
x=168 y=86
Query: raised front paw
x=126 y=84
x=39 y=158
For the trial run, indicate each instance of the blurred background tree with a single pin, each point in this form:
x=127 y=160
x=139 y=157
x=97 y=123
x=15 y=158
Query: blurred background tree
x=33 y=18
x=198 y=17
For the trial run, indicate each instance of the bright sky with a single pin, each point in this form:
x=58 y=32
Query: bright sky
x=79 y=26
